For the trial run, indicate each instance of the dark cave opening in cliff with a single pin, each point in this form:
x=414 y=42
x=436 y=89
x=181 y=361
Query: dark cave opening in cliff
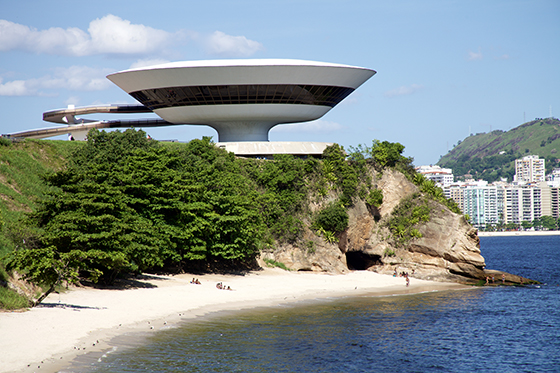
x=359 y=261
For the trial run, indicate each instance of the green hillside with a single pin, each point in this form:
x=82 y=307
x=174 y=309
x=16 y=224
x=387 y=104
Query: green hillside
x=22 y=165
x=491 y=156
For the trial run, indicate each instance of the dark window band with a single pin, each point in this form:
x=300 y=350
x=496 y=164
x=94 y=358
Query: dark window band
x=242 y=94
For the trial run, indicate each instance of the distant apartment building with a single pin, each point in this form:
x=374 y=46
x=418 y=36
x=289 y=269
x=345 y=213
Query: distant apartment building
x=550 y=200
x=529 y=169
x=503 y=203
x=480 y=202
x=455 y=192
x=522 y=203
x=554 y=177
x=527 y=198
x=555 y=203
x=441 y=176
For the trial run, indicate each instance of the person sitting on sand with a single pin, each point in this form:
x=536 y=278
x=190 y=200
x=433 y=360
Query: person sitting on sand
x=219 y=285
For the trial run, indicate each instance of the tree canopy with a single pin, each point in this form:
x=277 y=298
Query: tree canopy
x=125 y=203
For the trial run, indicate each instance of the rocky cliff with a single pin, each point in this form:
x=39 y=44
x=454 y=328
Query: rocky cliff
x=448 y=249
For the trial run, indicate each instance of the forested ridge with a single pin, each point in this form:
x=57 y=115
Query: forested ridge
x=121 y=204
x=491 y=156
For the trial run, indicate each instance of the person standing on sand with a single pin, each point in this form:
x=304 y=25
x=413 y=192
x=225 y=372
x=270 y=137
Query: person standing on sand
x=503 y=278
x=407 y=280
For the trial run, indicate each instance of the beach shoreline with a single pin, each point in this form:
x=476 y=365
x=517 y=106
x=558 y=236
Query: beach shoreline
x=87 y=321
x=518 y=233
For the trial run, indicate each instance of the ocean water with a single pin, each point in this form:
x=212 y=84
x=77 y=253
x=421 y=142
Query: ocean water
x=504 y=329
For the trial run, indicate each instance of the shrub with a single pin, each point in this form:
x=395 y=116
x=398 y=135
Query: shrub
x=5 y=142
x=375 y=198
x=389 y=252
x=273 y=263
x=310 y=247
x=405 y=216
x=333 y=218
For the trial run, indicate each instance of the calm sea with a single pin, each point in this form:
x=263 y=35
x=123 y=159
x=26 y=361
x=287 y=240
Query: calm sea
x=505 y=329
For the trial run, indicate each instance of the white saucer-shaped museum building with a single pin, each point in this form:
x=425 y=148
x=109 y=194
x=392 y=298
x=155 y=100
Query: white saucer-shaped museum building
x=241 y=99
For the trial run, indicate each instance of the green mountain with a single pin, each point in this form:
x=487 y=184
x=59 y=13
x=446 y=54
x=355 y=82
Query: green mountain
x=491 y=156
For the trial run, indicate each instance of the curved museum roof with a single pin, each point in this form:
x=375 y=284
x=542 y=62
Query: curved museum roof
x=241 y=99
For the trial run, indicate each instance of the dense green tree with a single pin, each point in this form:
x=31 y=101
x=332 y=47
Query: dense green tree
x=387 y=154
x=125 y=203
x=384 y=153
x=548 y=222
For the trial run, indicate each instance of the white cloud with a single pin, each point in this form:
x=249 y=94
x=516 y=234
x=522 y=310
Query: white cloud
x=219 y=43
x=473 y=56
x=54 y=40
x=107 y=35
x=13 y=88
x=113 y=35
x=314 y=126
x=404 y=90
x=74 y=78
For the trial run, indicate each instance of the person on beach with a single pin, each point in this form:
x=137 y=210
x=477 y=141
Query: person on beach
x=503 y=278
x=487 y=279
x=407 y=280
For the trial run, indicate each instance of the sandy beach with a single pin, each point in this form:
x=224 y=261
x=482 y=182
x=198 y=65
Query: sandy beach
x=84 y=320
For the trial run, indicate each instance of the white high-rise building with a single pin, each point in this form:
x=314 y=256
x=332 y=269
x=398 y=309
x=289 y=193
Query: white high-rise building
x=441 y=176
x=522 y=203
x=529 y=169
x=524 y=200
x=481 y=203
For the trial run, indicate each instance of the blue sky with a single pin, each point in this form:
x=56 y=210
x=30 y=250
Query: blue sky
x=444 y=68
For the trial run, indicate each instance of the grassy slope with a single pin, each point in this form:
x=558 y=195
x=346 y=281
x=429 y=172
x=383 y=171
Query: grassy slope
x=21 y=167
x=480 y=155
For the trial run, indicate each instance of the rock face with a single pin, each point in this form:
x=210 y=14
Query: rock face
x=449 y=249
